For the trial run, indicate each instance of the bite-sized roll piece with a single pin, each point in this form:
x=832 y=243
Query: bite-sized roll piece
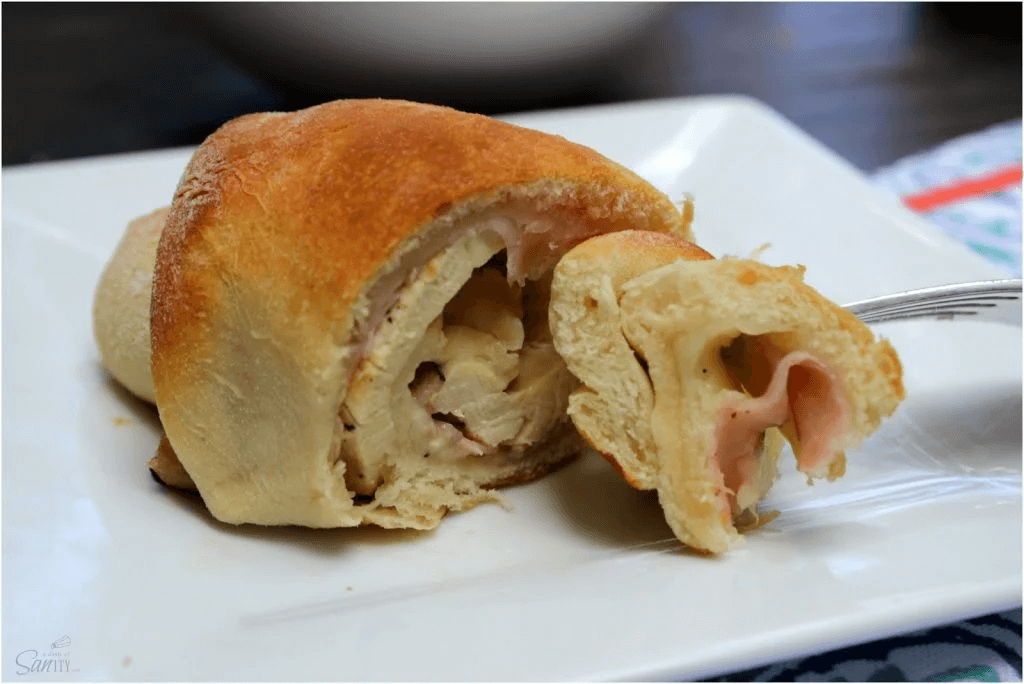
x=696 y=370
x=120 y=314
x=349 y=315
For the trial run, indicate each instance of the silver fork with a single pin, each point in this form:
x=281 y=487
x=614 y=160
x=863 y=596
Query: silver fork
x=988 y=300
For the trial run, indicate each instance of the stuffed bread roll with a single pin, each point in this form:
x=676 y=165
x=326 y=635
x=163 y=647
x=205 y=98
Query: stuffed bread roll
x=120 y=312
x=120 y=317
x=349 y=310
x=696 y=370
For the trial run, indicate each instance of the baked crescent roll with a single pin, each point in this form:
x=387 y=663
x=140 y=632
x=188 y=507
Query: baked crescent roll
x=349 y=310
x=120 y=317
x=695 y=371
x=120 y=314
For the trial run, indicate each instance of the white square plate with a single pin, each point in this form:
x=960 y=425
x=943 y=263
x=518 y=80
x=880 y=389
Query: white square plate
x=106 y=575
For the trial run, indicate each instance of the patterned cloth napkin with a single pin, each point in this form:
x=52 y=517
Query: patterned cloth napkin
x=969 y=187
x=986 y=212
x=985 y=649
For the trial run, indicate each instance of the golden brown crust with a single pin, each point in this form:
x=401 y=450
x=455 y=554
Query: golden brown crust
x=342 y=184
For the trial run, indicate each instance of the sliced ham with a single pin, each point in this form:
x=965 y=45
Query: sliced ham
x=802 y=390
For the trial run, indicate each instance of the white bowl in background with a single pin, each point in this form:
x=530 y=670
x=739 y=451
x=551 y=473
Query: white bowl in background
x=335 y=45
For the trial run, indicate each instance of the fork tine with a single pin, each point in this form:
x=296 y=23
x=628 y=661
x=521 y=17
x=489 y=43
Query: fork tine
x=938 y=307
x=940 y=313
x=993 y=300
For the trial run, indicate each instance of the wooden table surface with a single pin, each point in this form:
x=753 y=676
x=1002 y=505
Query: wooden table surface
x=873 y=81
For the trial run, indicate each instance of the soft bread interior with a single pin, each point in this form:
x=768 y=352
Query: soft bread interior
x=693 y=372
x=612 y=406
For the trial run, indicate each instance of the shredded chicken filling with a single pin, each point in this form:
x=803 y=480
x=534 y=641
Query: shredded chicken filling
x=483 y=381
x=484 y=388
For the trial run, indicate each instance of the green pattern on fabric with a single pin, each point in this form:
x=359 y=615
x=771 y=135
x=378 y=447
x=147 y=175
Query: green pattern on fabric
x=974 y=159
x=993 y=253
x=998 y=227
x=978 y=673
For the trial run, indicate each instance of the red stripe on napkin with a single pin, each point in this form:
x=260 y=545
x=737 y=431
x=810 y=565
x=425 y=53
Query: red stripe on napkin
x=964 y=188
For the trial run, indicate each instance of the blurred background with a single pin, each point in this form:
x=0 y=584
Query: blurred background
x=873 y=81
